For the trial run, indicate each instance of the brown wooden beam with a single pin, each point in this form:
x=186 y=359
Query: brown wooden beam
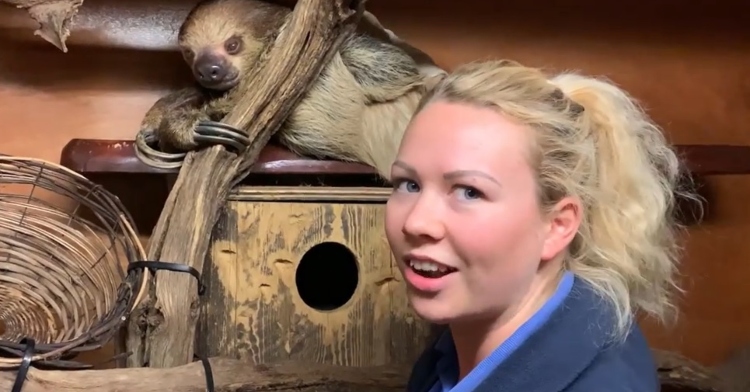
x=229 y=375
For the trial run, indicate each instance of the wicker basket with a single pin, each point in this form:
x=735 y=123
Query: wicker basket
x=64 y=247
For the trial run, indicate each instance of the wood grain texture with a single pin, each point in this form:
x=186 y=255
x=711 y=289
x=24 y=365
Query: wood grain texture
x=254 y=310
x=229 y=376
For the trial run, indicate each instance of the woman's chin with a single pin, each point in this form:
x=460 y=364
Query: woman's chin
x=433 y=310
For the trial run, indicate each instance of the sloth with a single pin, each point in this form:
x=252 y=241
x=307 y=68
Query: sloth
x=356 y=110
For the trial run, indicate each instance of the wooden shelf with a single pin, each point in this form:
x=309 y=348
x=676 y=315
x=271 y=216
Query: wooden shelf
x=88 y=156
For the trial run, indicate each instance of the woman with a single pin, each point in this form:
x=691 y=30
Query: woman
x=532 y=216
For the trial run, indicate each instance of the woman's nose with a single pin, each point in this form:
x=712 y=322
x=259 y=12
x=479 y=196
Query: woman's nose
x=424 y=220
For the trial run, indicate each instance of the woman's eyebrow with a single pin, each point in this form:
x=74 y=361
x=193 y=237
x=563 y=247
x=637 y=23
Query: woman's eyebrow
x=410 y=170
x=406 y=167
x=464 y=173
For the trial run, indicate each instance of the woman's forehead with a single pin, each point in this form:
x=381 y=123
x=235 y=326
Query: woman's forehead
x=450 y=131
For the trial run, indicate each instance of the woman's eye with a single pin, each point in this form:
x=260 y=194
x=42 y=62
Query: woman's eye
x=469 y=193
x=407 y=186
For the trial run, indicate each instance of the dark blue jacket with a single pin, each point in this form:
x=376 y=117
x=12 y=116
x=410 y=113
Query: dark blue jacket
x=573 y=351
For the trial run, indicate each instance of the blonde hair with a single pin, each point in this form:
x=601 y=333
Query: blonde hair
x=593 y=141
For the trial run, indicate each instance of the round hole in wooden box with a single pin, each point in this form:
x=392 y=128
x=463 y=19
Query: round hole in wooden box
x=327 y=276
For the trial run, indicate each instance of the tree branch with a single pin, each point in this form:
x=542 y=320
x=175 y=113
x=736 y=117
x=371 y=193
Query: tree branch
x=229 y=375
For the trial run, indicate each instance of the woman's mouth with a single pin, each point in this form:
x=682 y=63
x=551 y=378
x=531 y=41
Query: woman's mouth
x=429 y=269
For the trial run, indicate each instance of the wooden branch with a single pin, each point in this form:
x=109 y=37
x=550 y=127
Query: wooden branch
x=168 y=318
x=682 y=374
x=229 y=375
x=53 y=16
x=302 y=54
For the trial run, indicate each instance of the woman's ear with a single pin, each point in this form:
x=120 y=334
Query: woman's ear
x=562 y=225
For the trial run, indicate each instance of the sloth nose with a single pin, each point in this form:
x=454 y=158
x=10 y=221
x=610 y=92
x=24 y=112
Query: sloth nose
x=211 y=72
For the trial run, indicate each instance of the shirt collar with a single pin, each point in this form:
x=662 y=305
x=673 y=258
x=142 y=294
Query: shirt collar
x=563 y=347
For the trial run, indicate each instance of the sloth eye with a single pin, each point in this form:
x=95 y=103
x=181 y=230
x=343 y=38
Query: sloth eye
x=233 y=45
x=187 y=53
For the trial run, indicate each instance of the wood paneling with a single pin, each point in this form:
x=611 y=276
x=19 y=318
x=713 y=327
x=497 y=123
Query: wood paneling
x=688 y=64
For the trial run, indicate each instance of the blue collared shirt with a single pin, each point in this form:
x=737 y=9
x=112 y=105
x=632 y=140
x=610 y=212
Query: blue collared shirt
x=575 y=349
x=447 y=366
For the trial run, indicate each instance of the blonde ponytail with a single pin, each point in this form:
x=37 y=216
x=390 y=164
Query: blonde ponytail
x=594 y=142
x=630 y=251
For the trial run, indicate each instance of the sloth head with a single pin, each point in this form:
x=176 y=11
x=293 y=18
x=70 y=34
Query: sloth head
x=222 y=39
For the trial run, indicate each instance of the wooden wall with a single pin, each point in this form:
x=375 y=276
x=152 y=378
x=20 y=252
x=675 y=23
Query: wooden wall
x=690 y=65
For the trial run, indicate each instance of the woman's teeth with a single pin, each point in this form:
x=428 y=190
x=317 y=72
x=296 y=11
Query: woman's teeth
x=427 y=266
x=430 y=270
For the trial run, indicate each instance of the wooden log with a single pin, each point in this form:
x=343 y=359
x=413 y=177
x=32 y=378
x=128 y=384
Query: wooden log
x=161 y=332
x=678 y=373
x=229 y=375
x=675 y=372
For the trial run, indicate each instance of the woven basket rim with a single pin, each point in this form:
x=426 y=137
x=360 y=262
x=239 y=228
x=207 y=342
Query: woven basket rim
x=130 y=290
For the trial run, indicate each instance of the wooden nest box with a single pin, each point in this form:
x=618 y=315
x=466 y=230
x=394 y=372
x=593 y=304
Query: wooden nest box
x=303 y=271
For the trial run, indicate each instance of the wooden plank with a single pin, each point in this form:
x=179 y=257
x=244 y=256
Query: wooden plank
x=257 y=267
